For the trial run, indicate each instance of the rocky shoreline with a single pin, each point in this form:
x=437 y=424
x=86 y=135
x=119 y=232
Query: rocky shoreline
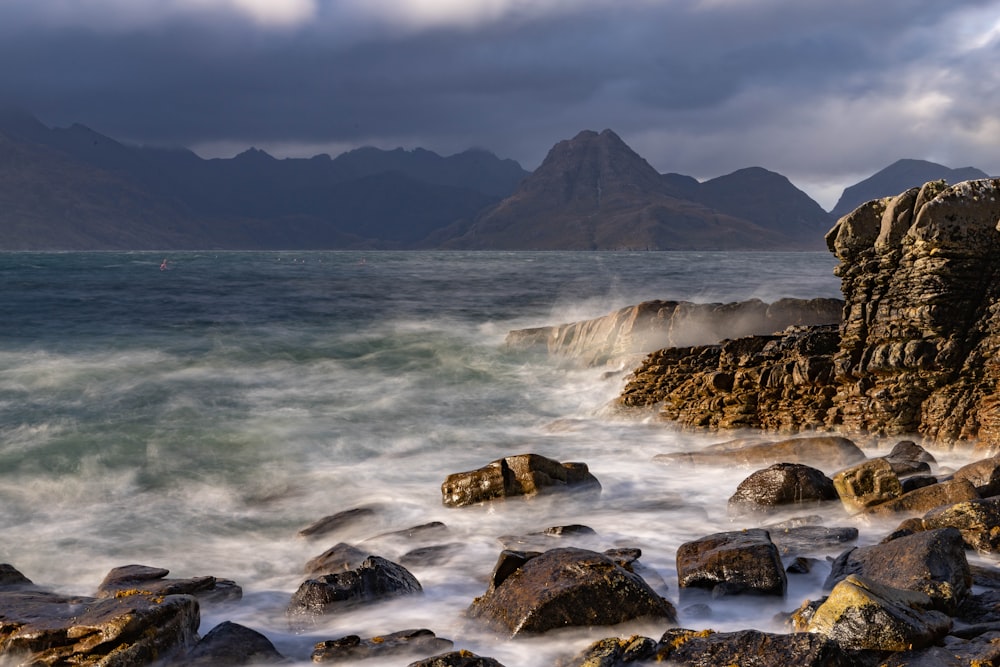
x=913 y=356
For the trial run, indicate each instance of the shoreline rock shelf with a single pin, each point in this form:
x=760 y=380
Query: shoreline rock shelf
x=915 y=352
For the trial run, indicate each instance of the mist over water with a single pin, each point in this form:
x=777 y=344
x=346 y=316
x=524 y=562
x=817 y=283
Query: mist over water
x=197 y=418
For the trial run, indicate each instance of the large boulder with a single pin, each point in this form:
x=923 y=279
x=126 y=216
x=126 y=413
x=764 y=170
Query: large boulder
x=861 y=614
x=566 y=587
x=44 y=628
x=866 y=484
x=977 y=520
x=780 y=486
x=983 y=474
x=146 y=580
x=823 y=452
x=651 y=325
x=376 y=579
x=731 y=563
x=931 y=562
x=521 y=475
x=914 y=352
x=232 y=645
x=926 y=498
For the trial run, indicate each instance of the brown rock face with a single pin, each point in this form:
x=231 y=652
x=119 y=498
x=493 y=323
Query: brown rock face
x=916 y=351
x=568 y=587
x=521 y=475
x=733 y=562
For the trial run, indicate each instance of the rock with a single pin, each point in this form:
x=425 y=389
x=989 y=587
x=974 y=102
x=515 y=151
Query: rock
x=430 y=530
x=146 y=580
x=927 y=498
x=862 y=614
x=914 y=352
x=376 y=579
x=780 y=485
x=352 y=648
x=340 y=557
x=338 y=522
x=522 y=475
x=437 y=554
x=566 y=587
x=867 y=484
x=825 y=452
x=43 y=628
x=614 y=651
x=651 y=325
x=12 y=579
x=931 y=562
x=456 y=659
x=914 y=482
x=231 y=644
x=984 y=474
x=909 y=458
x=977 y=520
x=732 y=563
x=810 y=539
x=748 y=647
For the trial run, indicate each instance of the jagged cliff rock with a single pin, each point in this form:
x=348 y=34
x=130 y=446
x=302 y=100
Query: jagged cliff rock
x=629 y=332
x=916 y=351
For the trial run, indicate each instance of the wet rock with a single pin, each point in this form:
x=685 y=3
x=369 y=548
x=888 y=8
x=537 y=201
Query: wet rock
x=43 y=628
x=406 y=642
x=915 y=482
x=576 y=534
x=748 y=647
x=811 y=539
x=867 y=484
x=862 y=614
x=927 y=498
x=338 y=522
x=232 y=645
x=984 y=474
x=566 y=587
x=732 y=563
x=980 y=652
x=437 y=554
x=376 y=579
x=12 y=579
x=146 y=580
x=914 y=353
x=825 y=452
x=424 y=531
x=340 y=557
x=801 y=565
x=521 y=475
x=931 y=562
x=651 y=325
x=781 y=485
x=461 y=658
x=909 y=458
x=977 y=520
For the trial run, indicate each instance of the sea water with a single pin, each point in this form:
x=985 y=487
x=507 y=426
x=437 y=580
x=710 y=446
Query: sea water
x=197 y=417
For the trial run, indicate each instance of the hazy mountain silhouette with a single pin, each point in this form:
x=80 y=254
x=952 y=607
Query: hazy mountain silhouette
x=593 y=192
x=899 y=176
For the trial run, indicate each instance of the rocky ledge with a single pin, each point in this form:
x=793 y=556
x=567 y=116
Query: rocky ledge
x=915 y=352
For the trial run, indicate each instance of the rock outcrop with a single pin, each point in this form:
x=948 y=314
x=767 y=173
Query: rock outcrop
x=633 y=331
x=916 y=351
x=520 y=475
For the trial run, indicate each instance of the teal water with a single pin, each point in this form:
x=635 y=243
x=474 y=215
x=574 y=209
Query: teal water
x=197 y=418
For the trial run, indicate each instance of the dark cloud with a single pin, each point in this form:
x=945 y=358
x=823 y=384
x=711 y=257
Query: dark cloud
x=822 y=92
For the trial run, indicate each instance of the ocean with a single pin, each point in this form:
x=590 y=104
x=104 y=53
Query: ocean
x=196 y=418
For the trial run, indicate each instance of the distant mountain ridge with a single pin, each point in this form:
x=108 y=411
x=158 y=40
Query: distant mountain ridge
x=897 y=177
x=593 y=192
x=75 y=189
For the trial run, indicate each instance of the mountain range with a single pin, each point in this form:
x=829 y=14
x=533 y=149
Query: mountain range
x=76 y=189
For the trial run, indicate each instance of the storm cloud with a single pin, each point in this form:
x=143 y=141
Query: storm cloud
x=825 y=93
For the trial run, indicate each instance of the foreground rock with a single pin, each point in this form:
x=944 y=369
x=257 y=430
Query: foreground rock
x=456 y=659
x=915 y=351
x=352 y=647
x=860 y=614
x=232 y=645
x=146 y=580
x=376 y=579
x=824 y=452
x=522 y=475
x=568 y=587
x=732 y=563
x=651 y=325
x=931 y=562
x=706 y=648
x=42 y=628
x=781 y=486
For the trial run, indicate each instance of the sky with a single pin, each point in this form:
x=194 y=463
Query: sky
x=825 y=92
